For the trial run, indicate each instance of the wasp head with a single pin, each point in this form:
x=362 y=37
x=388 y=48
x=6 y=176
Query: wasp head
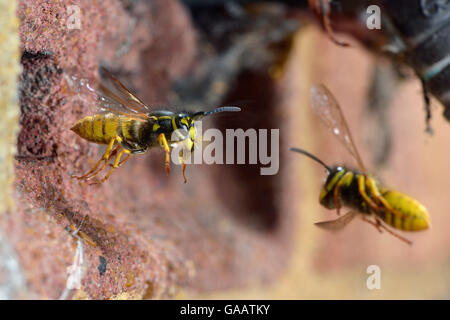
x=185 y=130
x=327 y=195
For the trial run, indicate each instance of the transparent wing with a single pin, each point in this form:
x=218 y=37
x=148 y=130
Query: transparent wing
x=339 y=223
x=325 y=106
x=107 y=100
x=112 y=87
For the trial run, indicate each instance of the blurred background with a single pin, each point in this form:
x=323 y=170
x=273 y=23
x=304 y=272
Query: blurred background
x=229 y=233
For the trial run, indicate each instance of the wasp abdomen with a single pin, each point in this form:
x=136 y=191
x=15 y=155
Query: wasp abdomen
x=415 y=215
x=98 y=128
x=102 y=128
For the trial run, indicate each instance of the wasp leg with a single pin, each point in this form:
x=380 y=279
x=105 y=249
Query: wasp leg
x=163 y=143
x=183 y=169
x=378 y=197
x=128 y=156
x=115 y=165
x=362 y=190
x=106 y=156
x=379 y=226
x=183 y=164
x=392 y=232
x=121 y=162
x=341 y=182
x=376 y=224
x=112 y=154
x=124 y=160
x=337 y=205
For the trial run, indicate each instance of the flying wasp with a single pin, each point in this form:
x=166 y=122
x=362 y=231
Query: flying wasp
x=357 y=189
x=128 y=126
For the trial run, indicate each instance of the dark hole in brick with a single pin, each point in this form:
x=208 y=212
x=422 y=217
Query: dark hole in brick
x=247 y=193
x=38 y=81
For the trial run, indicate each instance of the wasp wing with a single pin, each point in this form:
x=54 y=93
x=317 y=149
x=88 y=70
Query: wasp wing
x=339 y=223
x=112 y=87
x=107 y=101
x=326 y=107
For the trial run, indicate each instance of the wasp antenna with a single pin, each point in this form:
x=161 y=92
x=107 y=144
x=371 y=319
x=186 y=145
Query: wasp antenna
x=222 y=109
x=306 y=153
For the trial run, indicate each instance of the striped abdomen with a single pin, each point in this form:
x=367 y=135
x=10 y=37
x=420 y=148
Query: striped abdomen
x=102 y=128
x=415 y=215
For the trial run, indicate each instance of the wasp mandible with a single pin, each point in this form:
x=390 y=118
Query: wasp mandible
x=357 y=189
x=128 y=126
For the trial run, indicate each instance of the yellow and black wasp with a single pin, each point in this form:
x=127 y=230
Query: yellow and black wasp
x=128 y=126
x=357 y=189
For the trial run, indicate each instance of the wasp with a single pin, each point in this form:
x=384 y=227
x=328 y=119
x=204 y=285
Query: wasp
x=357 y=189
x=128 y=126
